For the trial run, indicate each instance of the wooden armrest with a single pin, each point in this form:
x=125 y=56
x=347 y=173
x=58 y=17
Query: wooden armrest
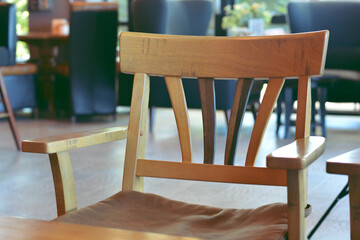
x=72 y=141
x=297 y=155
x=347 y=163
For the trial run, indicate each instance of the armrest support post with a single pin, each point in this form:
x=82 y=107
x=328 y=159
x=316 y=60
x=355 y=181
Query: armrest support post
x=63 y=182
x=296 y=180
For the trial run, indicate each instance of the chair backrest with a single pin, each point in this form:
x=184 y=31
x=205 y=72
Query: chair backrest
x=205 y=58
x=8 y=37
x=93 y=37
x=178 y=17
x=340 y=18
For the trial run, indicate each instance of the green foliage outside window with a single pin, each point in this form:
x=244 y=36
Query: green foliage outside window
x=22 y=27
x=274 y=6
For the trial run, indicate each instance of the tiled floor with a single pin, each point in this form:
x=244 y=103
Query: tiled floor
x=26 y=182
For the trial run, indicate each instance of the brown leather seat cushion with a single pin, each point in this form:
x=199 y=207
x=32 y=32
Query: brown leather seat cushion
x=152 y=213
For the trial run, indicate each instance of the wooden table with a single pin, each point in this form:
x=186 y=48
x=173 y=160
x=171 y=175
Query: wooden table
x=349 y=164
x=29 y=229
x=47 y=43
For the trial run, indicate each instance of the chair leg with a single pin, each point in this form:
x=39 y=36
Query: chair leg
x=227 y=116
x=255 y=109
x=354 y=182
x=279 y=112
x=288 y=96
x=343 y=193
x=151 y=119
x=9 y=111
x=322 y=100
x=313 y=110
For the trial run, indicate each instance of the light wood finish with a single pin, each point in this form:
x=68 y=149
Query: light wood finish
x=297 y=155
x=246 y=57
x=241 y=97
x=71 y=141
x=19 y=69
x=64 y=182
x=349 y=164
x=9 y=111
x=93 y=6
x=211 y=173
x=354 y=192
x=208 y=106
x=303 y=116
x=31 y=229
x=135 y=146
x=178 y=102
x=262 y=119
x=296 y=204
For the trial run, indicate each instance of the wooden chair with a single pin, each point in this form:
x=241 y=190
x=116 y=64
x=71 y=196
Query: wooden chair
x=349 y=164
x=205 y=58
x=20 y=69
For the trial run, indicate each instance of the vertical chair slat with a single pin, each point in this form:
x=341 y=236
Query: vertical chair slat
x=241 y=97
x=303 y=116
x=135 y=147
x=266 y=108
x=177 y=97
x=63 y=182
x=207 y=96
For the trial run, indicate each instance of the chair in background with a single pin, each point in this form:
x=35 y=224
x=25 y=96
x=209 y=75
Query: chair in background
x=349 y=164
x=87 y=85
x=17 y=78
x=341 y=81
x=175 y=57
x=179 y=17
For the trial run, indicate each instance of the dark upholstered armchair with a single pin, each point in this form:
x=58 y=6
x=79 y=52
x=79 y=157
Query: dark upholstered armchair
x=17 y=83
x=180 y=17
x=20 y=88
x=87 y=86
x=341 y=81
x=8 y=36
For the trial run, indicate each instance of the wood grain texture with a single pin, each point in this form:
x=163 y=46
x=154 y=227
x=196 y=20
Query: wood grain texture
x=266 y=108
x=135 y=146
x=93 y=6
x=19 y=69
x=178 y=102
x=9 y=112
x=207 y=96
x=354 y=193
x=298 y=154
x=241 y=97
x=211 y=173
x=296 y=204
x=63 y=182
x=31 y=229
x=223 y=57
x=303 y=116
x=347 y=163
x=70 y=141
